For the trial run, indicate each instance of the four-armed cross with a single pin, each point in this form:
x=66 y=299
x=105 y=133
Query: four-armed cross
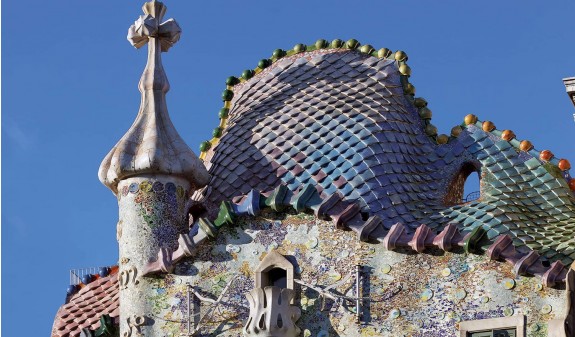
x=149 y=26
x=149 y=29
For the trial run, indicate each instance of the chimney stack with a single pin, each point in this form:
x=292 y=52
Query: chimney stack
x=570 y=86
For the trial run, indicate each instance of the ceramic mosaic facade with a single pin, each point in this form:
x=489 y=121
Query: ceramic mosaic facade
x=153 y=214
x=417 y=294
x=326 y=204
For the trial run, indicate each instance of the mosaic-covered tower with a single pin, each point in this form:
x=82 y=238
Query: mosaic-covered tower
x=152 y=172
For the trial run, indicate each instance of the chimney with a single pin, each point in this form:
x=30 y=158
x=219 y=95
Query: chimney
x=570 y=87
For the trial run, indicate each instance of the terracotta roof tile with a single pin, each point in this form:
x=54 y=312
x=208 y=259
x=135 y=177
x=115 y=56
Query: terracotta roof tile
x=84 y=309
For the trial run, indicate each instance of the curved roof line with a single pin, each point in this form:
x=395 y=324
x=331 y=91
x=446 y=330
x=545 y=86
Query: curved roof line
x=300 y=49
x=559 y=168
x=545 y=156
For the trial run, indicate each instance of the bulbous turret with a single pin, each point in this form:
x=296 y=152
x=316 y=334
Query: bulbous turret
x=152 y=172
x=152 y=146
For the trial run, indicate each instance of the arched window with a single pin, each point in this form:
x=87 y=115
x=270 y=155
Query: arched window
x=464 y=185
x=471 y=187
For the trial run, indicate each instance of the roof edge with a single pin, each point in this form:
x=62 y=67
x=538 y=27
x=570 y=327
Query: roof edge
x=346 y=215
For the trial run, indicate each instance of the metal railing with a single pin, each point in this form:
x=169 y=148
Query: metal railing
x=471 y=196
x=76 y=275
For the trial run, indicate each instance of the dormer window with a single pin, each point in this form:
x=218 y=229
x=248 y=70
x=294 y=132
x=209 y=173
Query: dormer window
x=276 y=277
x=275 y=270
x=272 y=312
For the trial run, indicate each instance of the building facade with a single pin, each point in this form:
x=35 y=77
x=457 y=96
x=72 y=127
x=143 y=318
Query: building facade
x=326 y=204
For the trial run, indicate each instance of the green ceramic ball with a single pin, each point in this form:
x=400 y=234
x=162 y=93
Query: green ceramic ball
x=321 y=43
x=217 y=133
x=299 y=48
x=227 y=95
x=431 y=130
x=420 y=102
x=224 y=112
x=337 y=43
x=262 y=64
x=383 y=53
x=366 y=49
x=400 y=55
x=352 y=44
x=278 y=53
x=232 y=80
x=205 y=146
x=247 y=74
x=425 y=113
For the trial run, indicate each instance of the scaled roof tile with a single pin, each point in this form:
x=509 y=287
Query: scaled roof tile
x=84 y=308
x=339 y=118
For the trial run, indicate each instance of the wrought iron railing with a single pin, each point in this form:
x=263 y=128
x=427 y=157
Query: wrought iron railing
x=77 y=275
x=471 y=196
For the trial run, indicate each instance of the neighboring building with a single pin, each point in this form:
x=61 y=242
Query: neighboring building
x=327 y=205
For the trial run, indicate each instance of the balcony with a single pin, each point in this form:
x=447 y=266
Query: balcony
x=271 y=313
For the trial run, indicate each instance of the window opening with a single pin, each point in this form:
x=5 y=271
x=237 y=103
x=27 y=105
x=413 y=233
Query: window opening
x=513 y=326
x=274 y=270
x=462 y=187
x=471 y=187
x=494 y=333
x=277 y=277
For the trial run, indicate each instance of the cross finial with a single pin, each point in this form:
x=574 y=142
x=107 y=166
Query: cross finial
x=148 y=26
x=152 y=146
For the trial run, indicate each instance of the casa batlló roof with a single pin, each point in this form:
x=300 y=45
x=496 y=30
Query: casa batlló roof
x=334 y=128
x=344 y=118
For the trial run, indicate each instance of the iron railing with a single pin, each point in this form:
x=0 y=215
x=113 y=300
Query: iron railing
x=471 y=196
x=76 y=275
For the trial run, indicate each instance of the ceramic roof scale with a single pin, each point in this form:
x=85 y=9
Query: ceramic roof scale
x=326 y=204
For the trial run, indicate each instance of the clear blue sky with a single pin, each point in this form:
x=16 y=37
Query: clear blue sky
x=69 y=92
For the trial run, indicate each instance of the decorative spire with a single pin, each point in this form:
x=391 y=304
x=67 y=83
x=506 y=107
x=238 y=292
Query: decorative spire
x=152 y=145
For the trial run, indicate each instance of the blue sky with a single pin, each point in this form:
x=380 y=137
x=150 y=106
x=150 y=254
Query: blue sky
x=69 y=92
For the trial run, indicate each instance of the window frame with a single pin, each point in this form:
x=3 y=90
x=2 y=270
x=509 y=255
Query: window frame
x=271 y=261
x=517 y=322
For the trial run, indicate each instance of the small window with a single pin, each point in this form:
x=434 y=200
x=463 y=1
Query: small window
x=464 y=184
x=471 y=187
x=274 y=270
x=277 y=277
x=494 y=333
x=513 y=326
